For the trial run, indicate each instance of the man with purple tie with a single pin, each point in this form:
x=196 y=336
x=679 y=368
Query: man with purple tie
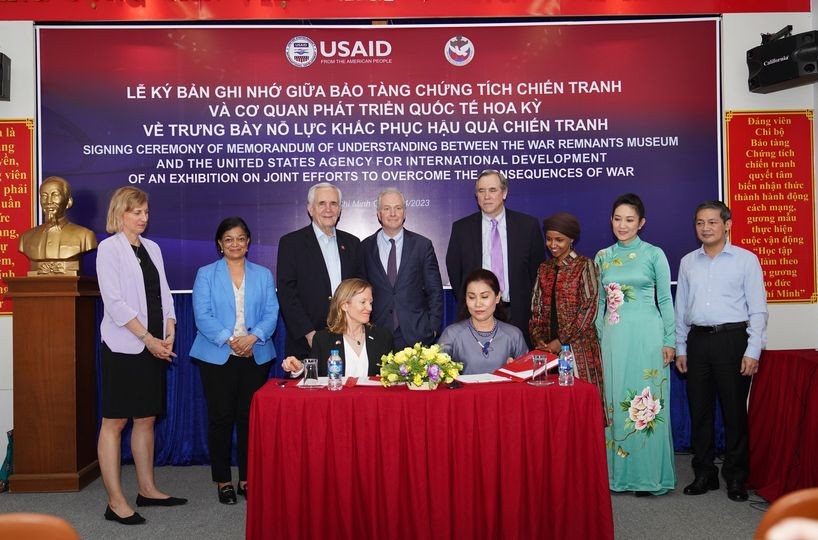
x=508 y=243
x=402 y=268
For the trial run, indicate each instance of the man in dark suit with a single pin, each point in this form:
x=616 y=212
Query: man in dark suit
x=402 y=268
x=508 y=243
x=311 y=263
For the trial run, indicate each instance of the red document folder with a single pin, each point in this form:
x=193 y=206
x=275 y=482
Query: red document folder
x=522 y=368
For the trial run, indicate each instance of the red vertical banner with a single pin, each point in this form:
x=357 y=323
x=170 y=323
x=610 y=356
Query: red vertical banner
x=770 y=189
x=16 y=199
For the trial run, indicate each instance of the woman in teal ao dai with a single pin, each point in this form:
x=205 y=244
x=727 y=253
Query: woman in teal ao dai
x=635 y=324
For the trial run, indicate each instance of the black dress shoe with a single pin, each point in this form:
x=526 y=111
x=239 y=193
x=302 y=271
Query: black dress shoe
x=170 y=501
x=701 y=485
x=242 y=491
x=227 y=495
x=133 y=519
x=736 y=492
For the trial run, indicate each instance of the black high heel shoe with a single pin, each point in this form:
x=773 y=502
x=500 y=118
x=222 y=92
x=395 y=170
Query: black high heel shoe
x=227 y=495
x=242 y=490
x=133 y=519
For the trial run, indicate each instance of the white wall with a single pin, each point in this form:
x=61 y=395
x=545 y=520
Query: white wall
x=791 y=326
x=16 y=42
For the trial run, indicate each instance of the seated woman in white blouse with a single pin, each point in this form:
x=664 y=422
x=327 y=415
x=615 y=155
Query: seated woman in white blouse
x=360 y=344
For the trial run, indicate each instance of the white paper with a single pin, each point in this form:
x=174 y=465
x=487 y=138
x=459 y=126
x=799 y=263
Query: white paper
x=366 y=381
x=322 y=383
x=481 y=378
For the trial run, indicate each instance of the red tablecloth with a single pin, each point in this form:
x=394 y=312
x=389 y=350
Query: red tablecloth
x=783 y=423
x=494 y=460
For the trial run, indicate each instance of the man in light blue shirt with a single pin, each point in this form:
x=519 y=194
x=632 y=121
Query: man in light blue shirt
x=496 y=238
x=402 y=267
x=721 y=328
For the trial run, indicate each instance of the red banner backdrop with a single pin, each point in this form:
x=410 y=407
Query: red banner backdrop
x=16 y=199
x=770 y=187
x=181 y=10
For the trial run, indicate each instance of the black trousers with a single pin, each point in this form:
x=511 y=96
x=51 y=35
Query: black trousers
x=228 y=390
x=714 y=366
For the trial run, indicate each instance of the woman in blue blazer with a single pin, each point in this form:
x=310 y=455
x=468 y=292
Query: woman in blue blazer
x=236 y=311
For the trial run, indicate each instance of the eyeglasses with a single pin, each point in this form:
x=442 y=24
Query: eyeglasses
x=229 y=240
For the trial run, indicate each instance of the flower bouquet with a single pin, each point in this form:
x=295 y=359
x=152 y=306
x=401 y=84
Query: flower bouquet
x=420 y=367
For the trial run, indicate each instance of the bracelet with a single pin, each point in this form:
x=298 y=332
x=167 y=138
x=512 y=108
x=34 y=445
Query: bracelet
x=143 y=336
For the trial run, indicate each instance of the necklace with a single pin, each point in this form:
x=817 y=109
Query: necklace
x=136 y=252
x=485 y=346
x=357 y=340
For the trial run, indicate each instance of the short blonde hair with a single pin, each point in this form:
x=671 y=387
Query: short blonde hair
x=123 y=200
x=336 y=320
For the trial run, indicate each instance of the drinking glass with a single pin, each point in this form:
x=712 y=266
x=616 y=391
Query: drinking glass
x=539 y=376
x=310 y=373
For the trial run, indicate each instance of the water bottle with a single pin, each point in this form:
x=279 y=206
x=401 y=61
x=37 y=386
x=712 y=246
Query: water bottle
x=566 y=366
x=335 y=371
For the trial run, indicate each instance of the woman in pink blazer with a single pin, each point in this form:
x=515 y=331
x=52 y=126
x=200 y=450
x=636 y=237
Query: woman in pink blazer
x=138 y=327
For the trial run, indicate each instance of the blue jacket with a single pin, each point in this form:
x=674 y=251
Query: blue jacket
x=214 y=308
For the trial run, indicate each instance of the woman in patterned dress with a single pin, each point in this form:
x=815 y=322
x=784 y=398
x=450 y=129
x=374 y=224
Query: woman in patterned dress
x=564 y=301
x=635 y=324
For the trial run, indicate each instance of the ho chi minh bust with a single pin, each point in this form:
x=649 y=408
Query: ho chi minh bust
x=54 y=248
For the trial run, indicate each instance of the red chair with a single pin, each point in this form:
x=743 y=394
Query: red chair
x=801 y=503
x=30 y=526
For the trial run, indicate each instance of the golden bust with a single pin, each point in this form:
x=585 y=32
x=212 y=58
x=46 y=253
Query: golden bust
x=54 y=248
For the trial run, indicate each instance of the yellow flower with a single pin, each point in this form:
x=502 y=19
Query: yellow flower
x=617 y=262
x=631 y=256
x=415 y=361
x=605 y=266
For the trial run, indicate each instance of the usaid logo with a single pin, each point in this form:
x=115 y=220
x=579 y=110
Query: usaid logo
x=356 y=49
x=301 y=51
x=459 y=51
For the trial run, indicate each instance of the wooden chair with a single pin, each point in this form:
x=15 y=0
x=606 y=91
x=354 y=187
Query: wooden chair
x=801 y=503
x=30 y=526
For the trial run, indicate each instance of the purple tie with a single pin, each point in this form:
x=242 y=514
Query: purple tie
x=497 y=254
x=392 y=264
x=392 y=275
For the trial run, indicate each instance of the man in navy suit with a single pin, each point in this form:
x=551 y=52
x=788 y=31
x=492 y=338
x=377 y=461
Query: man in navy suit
x=508 y=243
x=402 y=268
x=311 y=263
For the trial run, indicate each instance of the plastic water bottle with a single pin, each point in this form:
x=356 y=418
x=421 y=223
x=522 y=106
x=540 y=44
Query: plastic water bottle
x=335 y=371
x=566 y=366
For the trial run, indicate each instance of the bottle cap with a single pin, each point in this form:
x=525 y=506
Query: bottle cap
x=565 y=347
x=333 y=351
